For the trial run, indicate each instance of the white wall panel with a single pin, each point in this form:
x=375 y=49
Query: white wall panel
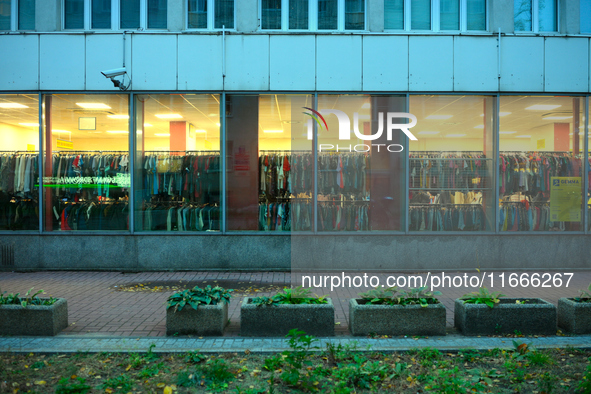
x=105 y=52
x=522 y=64
x=154 y=62
x=292 y=63
x=19 y=62
x=338 y=62
x=200 y=62
x=430 y=62
x=247 y=62
x=475 y=64
x=62 y=59
x=567 y=64
x=385 y=63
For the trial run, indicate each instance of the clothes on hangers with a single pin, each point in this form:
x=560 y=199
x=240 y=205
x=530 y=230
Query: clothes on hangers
x=527 y=216
x=19 y=207
x=346 y=216
x=448 y=170
x=178 y=216
x=435 y=217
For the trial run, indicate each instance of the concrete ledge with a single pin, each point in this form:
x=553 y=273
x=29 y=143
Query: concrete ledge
x=365 y=319
x=206 y=320
x=536 y=317
x=574 y=317
x=278 y=320
x=38 y=320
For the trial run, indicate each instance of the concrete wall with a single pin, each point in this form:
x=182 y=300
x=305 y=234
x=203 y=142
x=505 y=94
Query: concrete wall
x=270 y=252
x=304 y=62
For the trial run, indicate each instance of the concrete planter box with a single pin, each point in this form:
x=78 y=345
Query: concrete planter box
x=537 y=317
x=278 y=320
x=38 y=320
x=365 y=319
x=574 y=317
x=206 y=320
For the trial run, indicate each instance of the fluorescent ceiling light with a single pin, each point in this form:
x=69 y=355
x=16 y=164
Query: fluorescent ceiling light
x=523 y=136
x=12 y=105
x=60 y=131
x=480 y=126
x=118 y=116
x=557 y=117
x=212 y=114
x=162 y=134
x=200 y=131
x=93 y=105
x=217 y=124
x=438 y=116
x=543 y=107
x=168 y=116
x=30 y=124
x=455 y=135
x=147 y=125
x=507 y=132
x=272 y=131
x=366 y=106
x=117 y=131
x=428 y=132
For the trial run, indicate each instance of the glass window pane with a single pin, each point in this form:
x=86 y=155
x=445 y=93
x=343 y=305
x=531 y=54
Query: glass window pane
x=450 y=15
x=177 y=182
x=451 y=168
x=354 y=14
x=522 y=15
x=394 y=14
x=298 y=14
x=197 y=14
x=540 y=167
x=547 y=15
x=327 y=14
x=420 y=14
x=271 y=14
x=26 y=15
x=19 y=162
x=476 y=14
x=5 y=9
x=224 y=14
x=74 y=14
x=157 y=10
x=101 y=14
x=356 y=189
x=270 y=163
x=585 y=16
x=86 y=175
x=130 y=14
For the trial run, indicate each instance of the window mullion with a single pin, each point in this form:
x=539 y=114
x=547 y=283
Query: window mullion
x=210 y=14
x=407 y=15
x=535 y=23
x=87 y=15
x=14 y=15
x=284 y=14
x=435 y=14
x=143 y=14
x=115 y=14
x=341 y=15
x=313 y=15
x=463 y=15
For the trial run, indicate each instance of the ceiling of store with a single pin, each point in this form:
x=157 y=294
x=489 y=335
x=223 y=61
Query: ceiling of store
x=283 y=114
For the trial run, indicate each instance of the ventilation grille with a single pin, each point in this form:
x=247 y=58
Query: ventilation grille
x=7 y=254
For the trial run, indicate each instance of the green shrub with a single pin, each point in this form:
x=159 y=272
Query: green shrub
x=27 y=299
x=482 y=296
x=392 y=296
x=198 y=296
x=295 y=296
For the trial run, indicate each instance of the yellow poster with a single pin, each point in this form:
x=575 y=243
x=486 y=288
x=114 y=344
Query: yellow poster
x=62 y=144
x=565 y=199
x=541 y=144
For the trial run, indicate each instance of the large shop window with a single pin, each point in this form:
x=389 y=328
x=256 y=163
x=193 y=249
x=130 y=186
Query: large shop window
x=540 y=166
x=270 y=163
x=450 y=165
x=86 y=169
x=360 y=180
x=178 y=171
x=19 y=162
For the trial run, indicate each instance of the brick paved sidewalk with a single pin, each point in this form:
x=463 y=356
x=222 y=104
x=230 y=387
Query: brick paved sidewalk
x=97 y=307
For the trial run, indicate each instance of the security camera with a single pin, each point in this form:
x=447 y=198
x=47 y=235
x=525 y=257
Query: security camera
x=114 y=72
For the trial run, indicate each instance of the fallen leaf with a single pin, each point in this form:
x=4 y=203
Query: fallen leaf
x=160 y=385
x=167 y=390
x=40 y=382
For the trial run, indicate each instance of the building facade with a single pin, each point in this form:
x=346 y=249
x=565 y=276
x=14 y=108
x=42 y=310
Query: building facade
x=259 y=134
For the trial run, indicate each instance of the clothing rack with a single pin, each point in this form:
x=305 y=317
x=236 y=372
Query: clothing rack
x=421 y=204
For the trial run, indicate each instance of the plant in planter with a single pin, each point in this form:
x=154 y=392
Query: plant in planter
x=289 y=309
x=389 y=311
x=31 y=315
x=488 y=313
x=574 y=314
x=198 y=311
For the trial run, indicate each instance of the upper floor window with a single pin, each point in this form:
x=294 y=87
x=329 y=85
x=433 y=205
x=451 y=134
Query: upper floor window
x=210 y=14
x=115 y=14
x=17 y=14
x=312 y=15
x=435 y=15
x=535 y=15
